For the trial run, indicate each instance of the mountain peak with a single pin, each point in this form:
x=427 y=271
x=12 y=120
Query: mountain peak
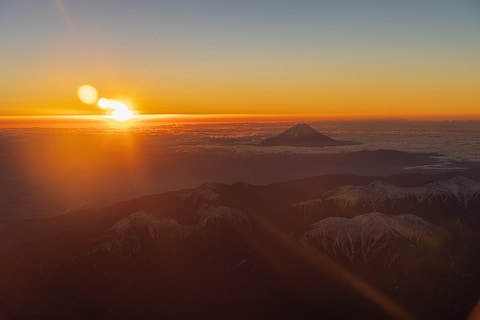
x=302 y=135
x=303 y=130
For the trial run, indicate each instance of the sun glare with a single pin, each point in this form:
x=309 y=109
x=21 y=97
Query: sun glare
x=121 y=111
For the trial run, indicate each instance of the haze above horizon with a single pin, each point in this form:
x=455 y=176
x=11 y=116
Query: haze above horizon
x=371 y=59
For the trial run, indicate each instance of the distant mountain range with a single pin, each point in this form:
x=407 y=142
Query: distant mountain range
x=303 y=249
x=302 y=135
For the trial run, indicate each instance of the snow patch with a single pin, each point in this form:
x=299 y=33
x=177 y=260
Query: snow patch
x=222 y=213
x=204 y=193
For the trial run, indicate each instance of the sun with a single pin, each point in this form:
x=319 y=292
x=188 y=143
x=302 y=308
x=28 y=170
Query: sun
x=120 y=110
x=122 y=115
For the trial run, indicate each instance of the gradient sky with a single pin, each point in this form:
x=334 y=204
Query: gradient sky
x=251 y=56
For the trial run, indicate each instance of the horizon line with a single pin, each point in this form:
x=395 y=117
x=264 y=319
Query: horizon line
x=259 y=116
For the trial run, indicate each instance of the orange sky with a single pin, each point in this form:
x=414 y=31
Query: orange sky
x=213 y=59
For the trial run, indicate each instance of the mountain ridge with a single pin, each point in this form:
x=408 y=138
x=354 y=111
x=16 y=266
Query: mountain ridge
x=152 y=256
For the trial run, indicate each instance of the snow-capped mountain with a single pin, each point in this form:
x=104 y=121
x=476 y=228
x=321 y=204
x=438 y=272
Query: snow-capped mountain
x=132 y=234
x=204 y=193
x=127 y=236
x=209 y=207
x=463 y=191
x=446 y=199
x=375 y=235
x=241 y=247
x=139 y=220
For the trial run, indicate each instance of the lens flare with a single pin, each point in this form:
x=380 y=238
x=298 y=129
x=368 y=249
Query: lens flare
x=66 y=15
x=120 y=112
x=87 y=94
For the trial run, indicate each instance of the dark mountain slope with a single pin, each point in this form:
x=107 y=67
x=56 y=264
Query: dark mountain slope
x=285 y=251
x=302 y=135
